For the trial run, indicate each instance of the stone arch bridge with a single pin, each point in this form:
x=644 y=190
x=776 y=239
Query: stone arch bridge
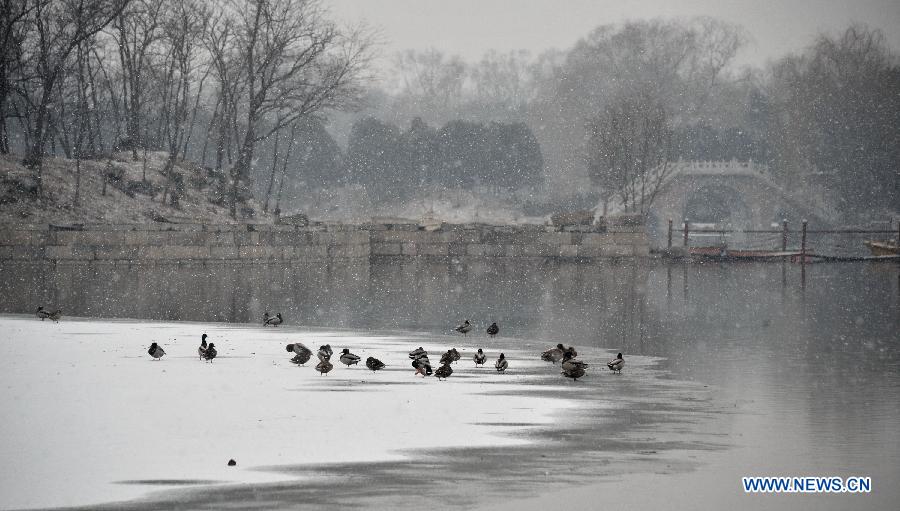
x=720 y=194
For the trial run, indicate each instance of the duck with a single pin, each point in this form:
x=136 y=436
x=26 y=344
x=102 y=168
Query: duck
x=570 y=362
x=324 y=366
x=202 y=349
x=302 y=354
x=574 y=372
x=572 y=368
x=616 y=364
x=501 y=363
x=571 y=351
x=277 y=320
x=443 y=372
x=42 y=313
x=493 y=329
x=553 y=354
x=210 y=352
x=374 y=364
x=418 y=352
x=451 y=356
x=348 y=358
x=156 y=351
x=464 y=328
x=480 y=358
x=325 y=353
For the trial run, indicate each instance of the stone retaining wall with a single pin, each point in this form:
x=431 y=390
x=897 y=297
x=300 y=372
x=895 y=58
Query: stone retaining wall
x=184 y=242
x=617 y=237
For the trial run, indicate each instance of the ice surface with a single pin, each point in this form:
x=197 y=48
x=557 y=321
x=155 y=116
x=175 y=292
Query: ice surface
x=89 y=417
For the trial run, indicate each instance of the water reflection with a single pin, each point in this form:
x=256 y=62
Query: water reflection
x=812 y=355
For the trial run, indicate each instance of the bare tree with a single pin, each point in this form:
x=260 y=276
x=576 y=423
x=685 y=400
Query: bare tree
x=629 y=149
x=296 y=63
x=136 y=29
x=181 y=33
x=59 y=27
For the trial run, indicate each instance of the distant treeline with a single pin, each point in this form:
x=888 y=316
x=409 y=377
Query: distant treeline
x=276 y=98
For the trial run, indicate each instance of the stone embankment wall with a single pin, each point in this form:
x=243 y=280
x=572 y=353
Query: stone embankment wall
x=623 y=236
x=616 y=237
x=184 y=242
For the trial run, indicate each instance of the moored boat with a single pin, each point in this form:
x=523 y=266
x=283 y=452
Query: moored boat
x=883 y=248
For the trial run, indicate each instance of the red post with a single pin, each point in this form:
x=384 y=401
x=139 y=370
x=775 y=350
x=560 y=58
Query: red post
x=686 y=230
x=670 y=234
x=784 y=235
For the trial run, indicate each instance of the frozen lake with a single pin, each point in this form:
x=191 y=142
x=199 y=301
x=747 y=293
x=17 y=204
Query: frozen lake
x=737 y=370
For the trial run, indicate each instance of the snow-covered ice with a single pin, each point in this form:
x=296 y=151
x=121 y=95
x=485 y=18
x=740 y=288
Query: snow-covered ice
x=89 y=417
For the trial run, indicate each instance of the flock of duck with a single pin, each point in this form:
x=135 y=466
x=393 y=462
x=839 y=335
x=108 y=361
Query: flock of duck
x=565 y=356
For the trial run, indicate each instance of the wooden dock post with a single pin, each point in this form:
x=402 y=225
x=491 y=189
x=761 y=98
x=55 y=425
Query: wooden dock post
x=670 y=234
x=803 y=244
x=784 y=235
x=686 y=229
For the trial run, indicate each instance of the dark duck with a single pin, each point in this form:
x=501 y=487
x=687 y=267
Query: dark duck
x=615 y=365
x=493 y=330
x=443 y=372
x=480 y=358
x=156 y=351
x=451 y=356
x=302 y=354
x=374 y=364
x=420 y=361
x=553 y=354
x=464 y=328
x=348 y=358
x=572 y=368
x=325 y=353
x=202 y=349
x=210 y=352
x=324 y=366
x=272 y=321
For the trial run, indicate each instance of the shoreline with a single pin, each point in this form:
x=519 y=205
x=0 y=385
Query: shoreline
x=532 y=447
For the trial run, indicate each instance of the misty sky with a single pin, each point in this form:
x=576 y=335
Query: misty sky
x=469 y=27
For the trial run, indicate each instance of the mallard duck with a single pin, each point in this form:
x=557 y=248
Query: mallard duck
x=422 y=366
x=374 y=364
x=302 y=354
x=574 y=372
x=493 y=329
x=569 y=361
x=616 y=364
x=324 y=366
x=444 y=371
x=553 y=354
x=277 y=320
x=210 y=352
x=348 y=358
x=464 y=328
x=325 y=352
x=202 y=349
x=156 y=351
x=418 y=352
x=501 y=363
x=42 y=313
x=451 y=356
x=480 y=358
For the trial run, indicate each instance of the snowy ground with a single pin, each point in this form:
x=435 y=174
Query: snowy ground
x=90 y=418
